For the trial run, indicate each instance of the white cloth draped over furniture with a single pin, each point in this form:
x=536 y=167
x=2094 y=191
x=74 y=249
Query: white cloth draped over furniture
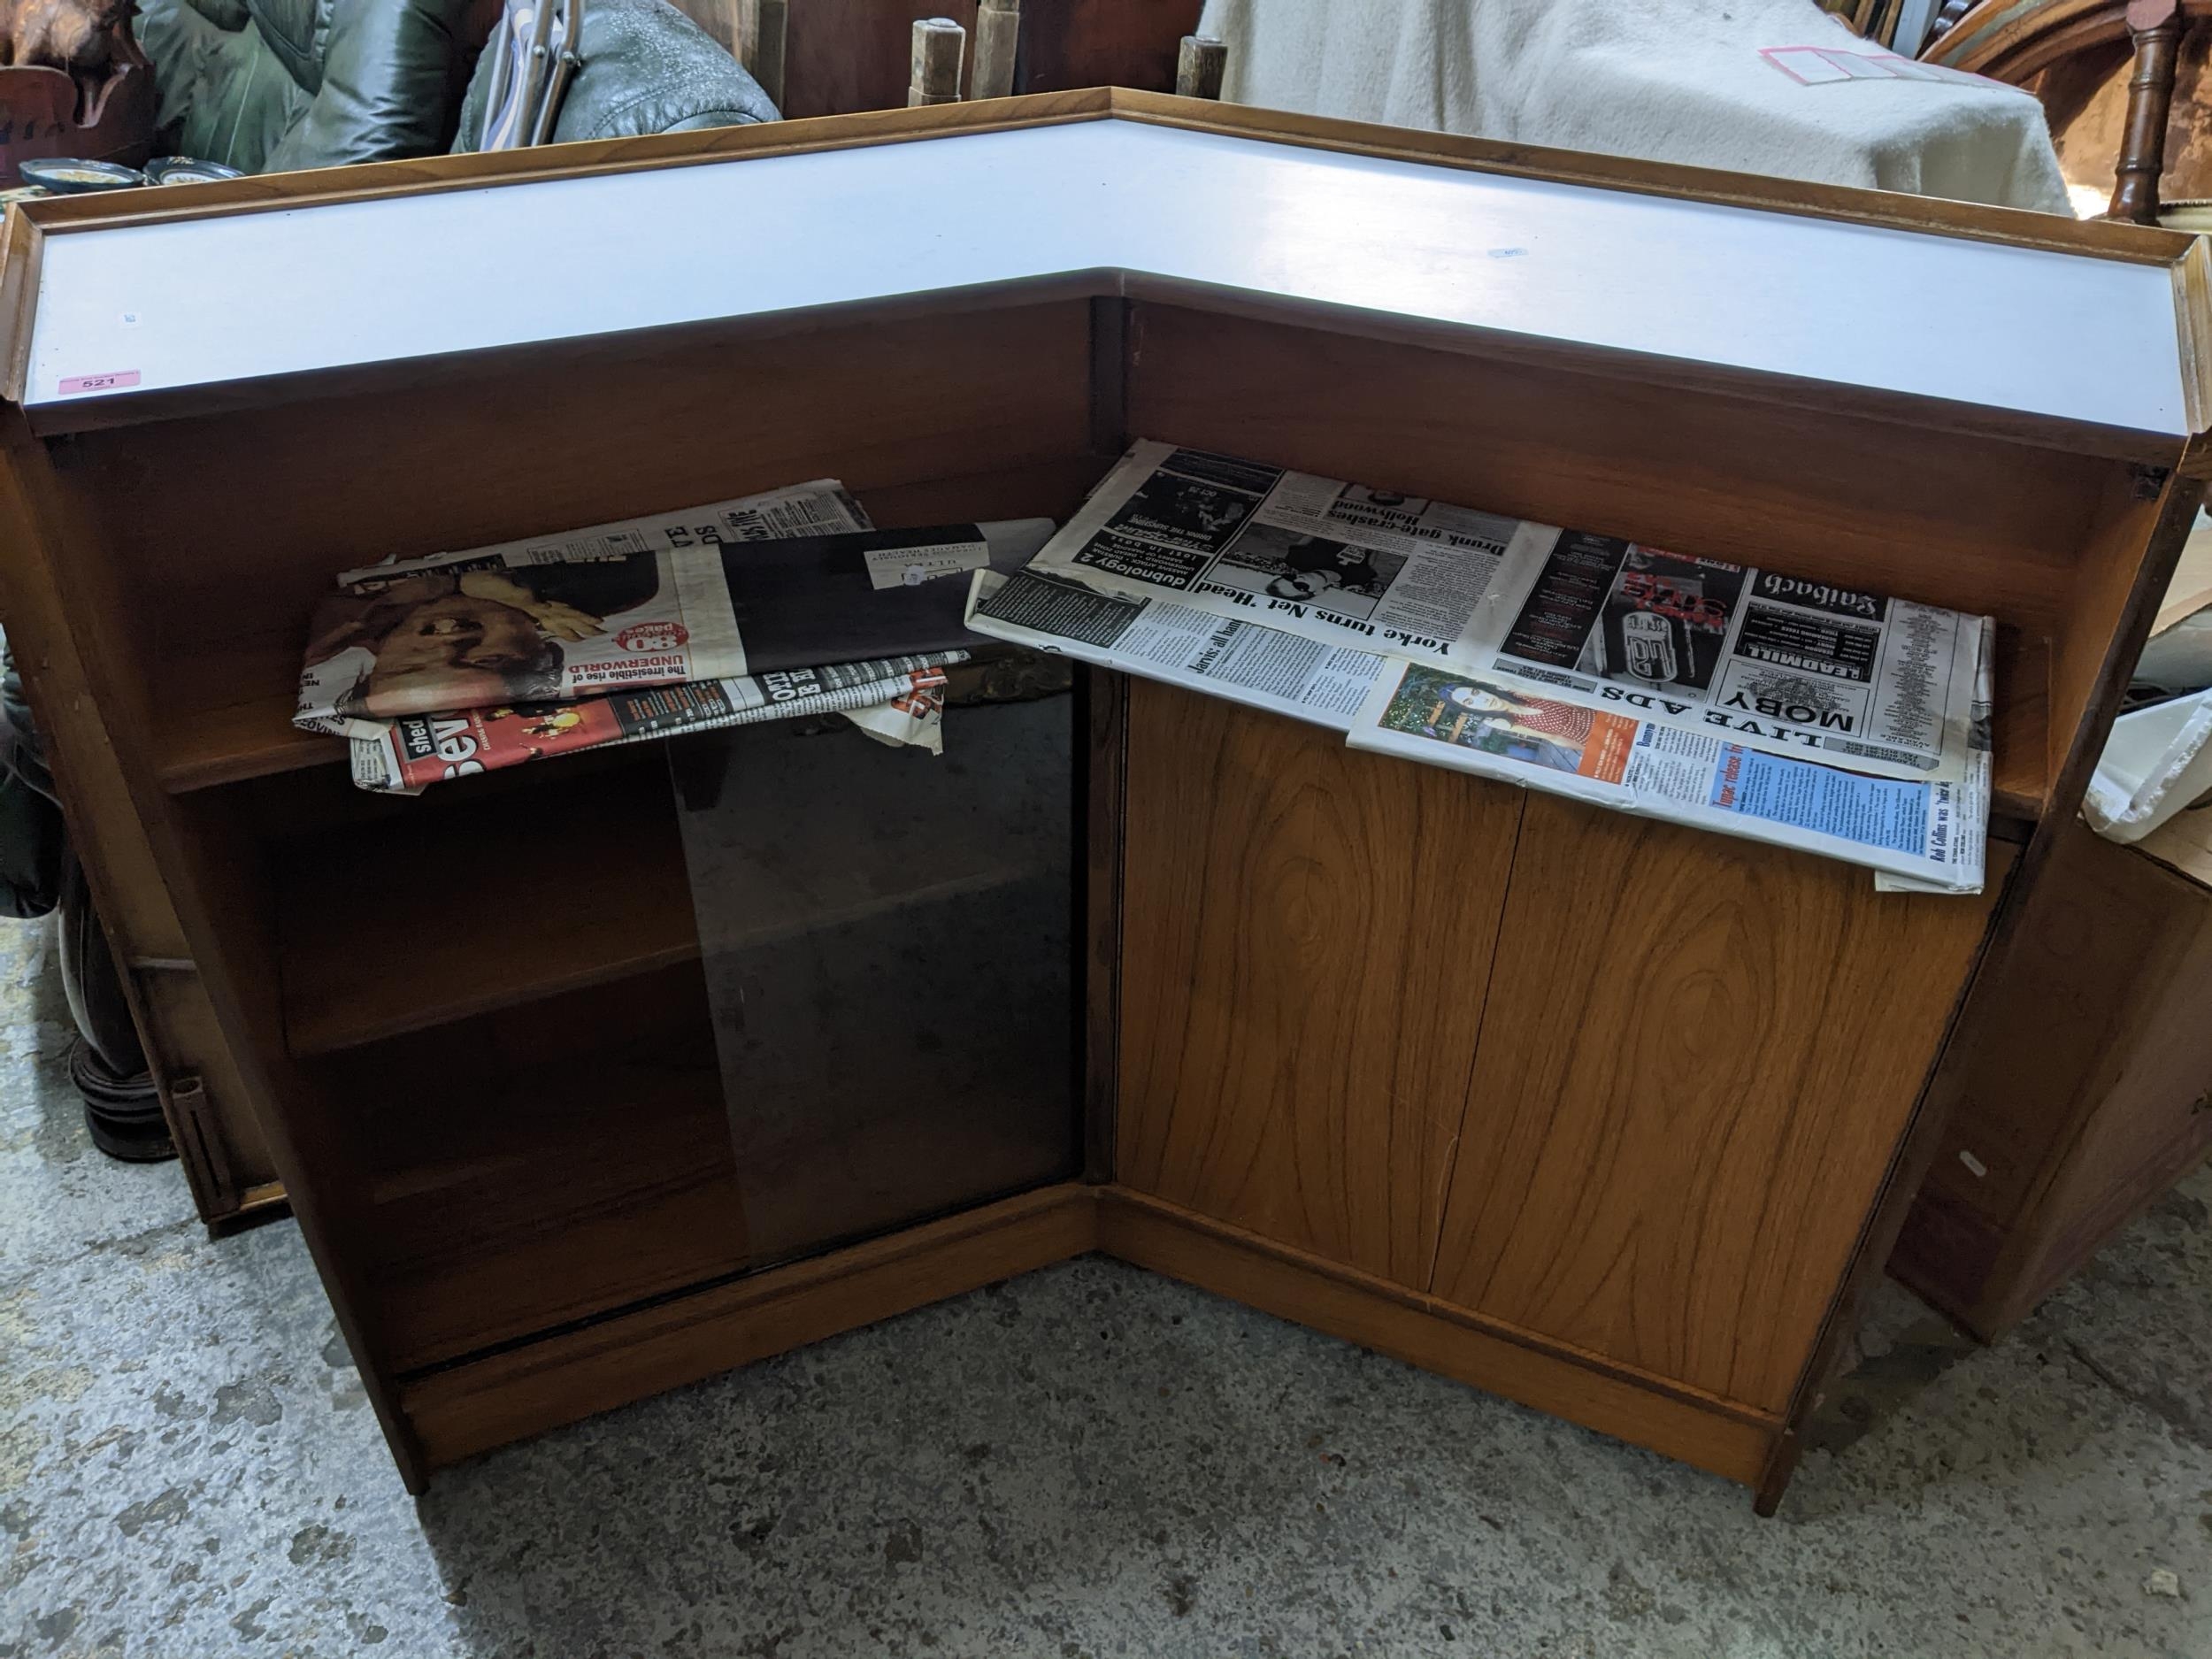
x=1679 y=80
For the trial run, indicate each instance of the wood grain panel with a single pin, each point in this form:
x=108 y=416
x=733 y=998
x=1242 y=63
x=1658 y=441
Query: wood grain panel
x=1306 y=933
x=1697 y=1061
x=2071 y=1084
x=2048 y=1029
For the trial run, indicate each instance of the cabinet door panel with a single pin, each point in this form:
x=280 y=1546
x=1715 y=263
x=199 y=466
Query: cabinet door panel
x=1306 y=936
x=1698 y=1057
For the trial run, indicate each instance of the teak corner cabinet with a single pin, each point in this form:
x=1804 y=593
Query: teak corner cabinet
x=1605 y=1116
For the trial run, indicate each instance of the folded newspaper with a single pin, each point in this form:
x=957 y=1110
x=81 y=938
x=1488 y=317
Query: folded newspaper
x=493 y=625
x=1930 y=834
x=1763 y=658
x=725 y=593
x=818 y=589
x=887 y=698
x=1123 y=585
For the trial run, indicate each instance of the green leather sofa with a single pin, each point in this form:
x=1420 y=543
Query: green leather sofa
x=270 y=85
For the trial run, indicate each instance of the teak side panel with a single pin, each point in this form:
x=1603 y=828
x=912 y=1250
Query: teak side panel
x=1306 y=932
x=1698 y=1057
x=221 y=1146
x=2049 y=1027
x=2073 y=1084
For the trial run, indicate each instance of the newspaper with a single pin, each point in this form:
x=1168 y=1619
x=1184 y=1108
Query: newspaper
x=1915 y=834
x=912 y=718
x=765 y=607
x=1773 y=663
x=892 y=699
x=548 y=617
x=1260 y=667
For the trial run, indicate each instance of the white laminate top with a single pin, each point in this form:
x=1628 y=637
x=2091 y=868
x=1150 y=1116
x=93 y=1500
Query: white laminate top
x=186 y=303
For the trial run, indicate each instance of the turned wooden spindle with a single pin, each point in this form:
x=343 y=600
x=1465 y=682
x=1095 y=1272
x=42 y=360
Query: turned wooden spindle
x=939 y=45
x=2154 y=25
x=1199 y=64
x=997 y=31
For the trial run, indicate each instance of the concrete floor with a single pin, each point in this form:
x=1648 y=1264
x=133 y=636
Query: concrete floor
x=1086 y=1462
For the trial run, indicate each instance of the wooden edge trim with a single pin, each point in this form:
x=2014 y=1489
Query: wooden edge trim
x=2192 y=327
x=472 y=1408
x=136 y=409
x=368 y=181
x=1105 y=288
x=2016 y=226
x=1908 y=1165
x=1973 y=222
x=1103 y=703
x=1761 y=386
x=256 y=1206
x=20 y=248
x=2182 y=494
x=1720 y=1436
x=39 y=535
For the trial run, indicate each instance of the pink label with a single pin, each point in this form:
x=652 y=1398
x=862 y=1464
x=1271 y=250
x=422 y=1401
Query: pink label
x=73 y=383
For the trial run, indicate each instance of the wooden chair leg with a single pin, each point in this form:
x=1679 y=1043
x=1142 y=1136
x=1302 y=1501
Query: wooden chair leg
x=997 y=33
x=1199 y=64
x=2154 y=25
x=939 y=45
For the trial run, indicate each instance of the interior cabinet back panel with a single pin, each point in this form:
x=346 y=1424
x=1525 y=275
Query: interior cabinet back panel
x=701 y=419
x=1306 y=932
x=1950 y=520
x=1697 y=1055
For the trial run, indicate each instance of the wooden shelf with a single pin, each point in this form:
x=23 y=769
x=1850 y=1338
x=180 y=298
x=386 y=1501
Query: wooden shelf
x=534 y=1195
x=482 y=901
x=228 y=716
x=476 y=904
x=523 y=1196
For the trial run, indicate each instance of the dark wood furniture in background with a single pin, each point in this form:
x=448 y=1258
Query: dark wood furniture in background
x=1609 y=1117
x=842 y=56
x=42 y=115
x=2107 y=71
x=2081 y=1078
